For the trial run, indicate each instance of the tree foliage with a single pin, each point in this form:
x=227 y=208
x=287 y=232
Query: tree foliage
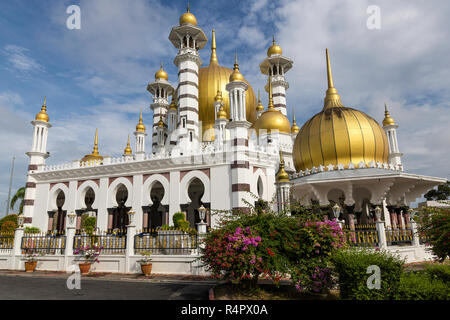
x=441 y=193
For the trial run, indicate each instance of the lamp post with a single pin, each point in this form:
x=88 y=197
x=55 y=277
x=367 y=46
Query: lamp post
x=336 y=211
x=201 y=226
x=131 y=214
x=72 y=216
x=378 y=213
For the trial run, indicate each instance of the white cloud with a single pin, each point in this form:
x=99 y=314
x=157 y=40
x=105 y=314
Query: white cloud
x=19 y=59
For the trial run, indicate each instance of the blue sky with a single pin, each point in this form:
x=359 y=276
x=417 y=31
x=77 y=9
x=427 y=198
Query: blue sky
x=96 y=77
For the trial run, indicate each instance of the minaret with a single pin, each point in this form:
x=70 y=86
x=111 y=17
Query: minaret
x=128 y=153
x=188 y=38
x=160 y=136
x=275 y=67
x=140 y=135
x=390 y=127
x=172 y=116
x=238 y=128
x=283 y=187
x=37 y=155
x=221 y=120
x=161 y=89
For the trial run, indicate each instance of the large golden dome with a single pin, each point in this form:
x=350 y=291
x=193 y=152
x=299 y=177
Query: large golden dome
x=210 y=78
x=339 y=135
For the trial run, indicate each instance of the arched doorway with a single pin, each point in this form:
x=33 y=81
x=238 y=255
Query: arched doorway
x=87 y=210
x=59 y=216
x=156 y=213
x=119 y=216
x=196 y=191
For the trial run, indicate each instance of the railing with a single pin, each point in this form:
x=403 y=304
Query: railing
x=6 y=240
x=110 y=243
x=396 y=236
x=43 y=243
x=362 y=235
x=168 y=242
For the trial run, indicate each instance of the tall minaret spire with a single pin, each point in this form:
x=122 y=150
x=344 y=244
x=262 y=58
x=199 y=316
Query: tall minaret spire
x=140 y=134
x=390 y=127
x=213 y=59
x=332 y=98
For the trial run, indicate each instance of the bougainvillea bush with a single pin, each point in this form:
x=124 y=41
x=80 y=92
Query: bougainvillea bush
x=271 y=245
x=434 y=223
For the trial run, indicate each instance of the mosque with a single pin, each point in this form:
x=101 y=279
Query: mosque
x=214 y=144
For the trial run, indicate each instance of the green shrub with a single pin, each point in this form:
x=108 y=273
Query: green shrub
x=420 y=286
x=439 y=271
x=351 y=266
x=8 y=227
x=183 y=224
x=32 y=230
x=177 y=217
x=88 y=223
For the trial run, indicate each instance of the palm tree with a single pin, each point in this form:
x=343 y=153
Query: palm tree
x=20 y=195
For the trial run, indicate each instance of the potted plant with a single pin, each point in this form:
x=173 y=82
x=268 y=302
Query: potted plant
x=31 y=259
x=90 y=255
x=146 y=265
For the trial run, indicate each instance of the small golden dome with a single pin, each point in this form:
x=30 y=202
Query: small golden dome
x=218 y=96
x=140 y=127
x=282 y=175
x=295 y=128
x=259 y=107
x=188 y=18
x=339 y=135
x=160 y=122
x=94 y=156
x=272 y=119
x=274 y=49
x=173 y=105
x=161 y=74
x=221 y=114
x=388 y=120
x=128 y=150
x=43 y=116
x=236 y=75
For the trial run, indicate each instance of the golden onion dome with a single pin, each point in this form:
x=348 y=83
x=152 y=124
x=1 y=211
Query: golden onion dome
x=140 y=127
x=272 y=119
x=339 y=135
x=274 y=49
x=188 y=18
x=209 y=76
x=282 y=175
x=388 y=120
x=173 y=105
x=128 y=150
x=161 y=74
x=160 y=122
x=295 y=129
x=221 y=114
x=42 y=115
x=94 y=156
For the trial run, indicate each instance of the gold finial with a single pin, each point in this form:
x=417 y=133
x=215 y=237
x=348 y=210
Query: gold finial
x=282 y=175
x=295 y=128
x=42 y=115
x=95 y=151
x=273 y=42
x=161 y=122
x=332 y=98
x=140 y=127
x=213 y=59
x=219 y=93
x=274 y=48
x=128 y=150
x=173 y=105
x=388 y=120
x=236 y=75
x=188 y=6
x=270 y=106
x=259 y=107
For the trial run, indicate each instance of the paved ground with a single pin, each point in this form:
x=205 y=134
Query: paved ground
x=50 y=286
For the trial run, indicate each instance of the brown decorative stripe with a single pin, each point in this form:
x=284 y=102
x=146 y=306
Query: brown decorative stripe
x=240 y=142
x=111 y=180
x=55 y=183
x=32 y=167
x=240 y=164
x=242 y=209
x=188 y=71
x=240 y=187
x=30 y=185
x=278 y=95
x=28 y=202
x=165 y=175
x=188 y=83
x=174 y=143
x=189 y=109
x=279 y=105
x=28 y=220
x=187 y=95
